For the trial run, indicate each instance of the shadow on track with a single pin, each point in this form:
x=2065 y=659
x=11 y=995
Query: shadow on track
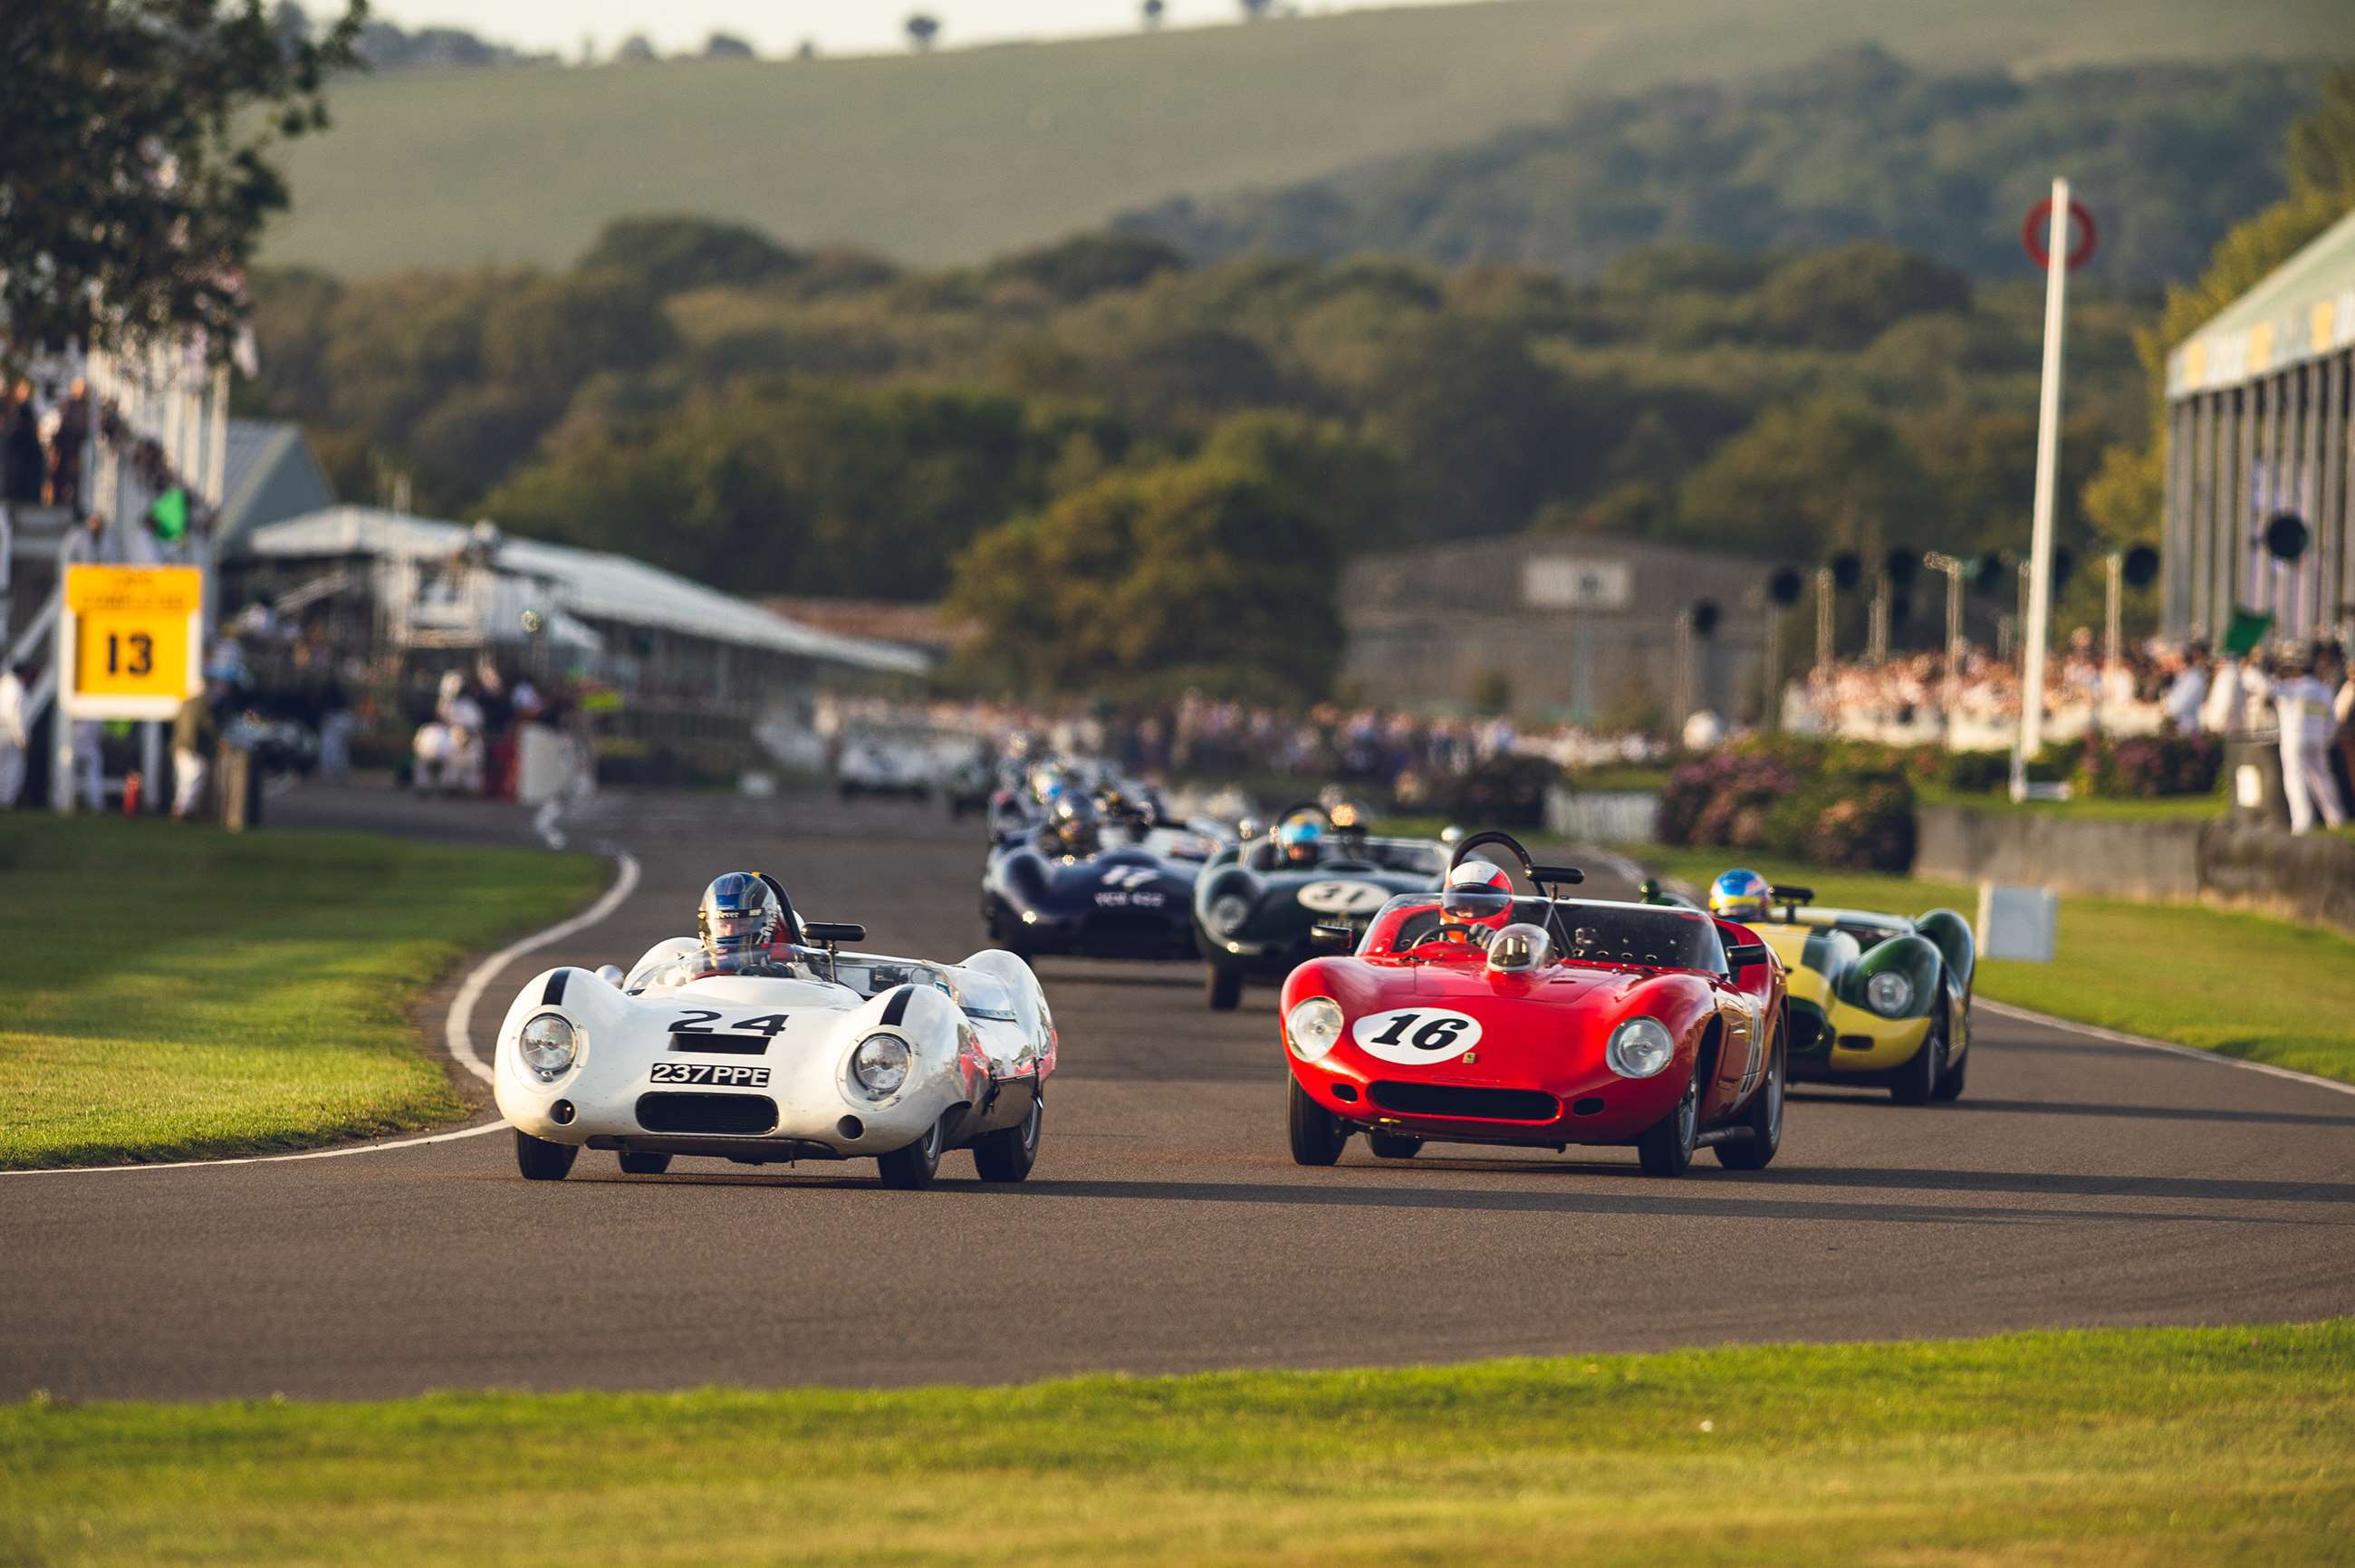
x=1874 y=1099
x=2035 y=1184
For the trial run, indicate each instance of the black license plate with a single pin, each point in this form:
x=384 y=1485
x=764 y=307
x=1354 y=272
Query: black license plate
x=724 y=1075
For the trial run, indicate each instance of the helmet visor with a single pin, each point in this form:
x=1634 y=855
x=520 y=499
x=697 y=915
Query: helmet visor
x=1474 y=901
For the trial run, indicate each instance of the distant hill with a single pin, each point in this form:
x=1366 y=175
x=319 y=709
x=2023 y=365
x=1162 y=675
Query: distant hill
x=961 y=154
x=1854 y=145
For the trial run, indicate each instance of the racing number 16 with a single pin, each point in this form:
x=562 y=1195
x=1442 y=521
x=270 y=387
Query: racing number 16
x=1437 y=1035
x=142 y=651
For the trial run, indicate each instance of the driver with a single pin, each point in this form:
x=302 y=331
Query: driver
x=1071 y=827
x=1298 y=842
x=1478 y=896
x=1740 y=895
x=742 y=913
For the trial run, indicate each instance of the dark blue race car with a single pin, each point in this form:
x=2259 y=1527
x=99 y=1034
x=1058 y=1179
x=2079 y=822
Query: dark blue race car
x=1117 y=892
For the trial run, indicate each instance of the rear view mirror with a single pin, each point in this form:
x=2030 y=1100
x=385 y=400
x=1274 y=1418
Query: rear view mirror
x=1332 y=938
x=1742 y=955
x=611 y=973
x=828 y=931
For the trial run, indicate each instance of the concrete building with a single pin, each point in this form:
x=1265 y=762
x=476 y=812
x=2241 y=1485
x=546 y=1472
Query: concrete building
x=1573 y=627
x=2261 y=425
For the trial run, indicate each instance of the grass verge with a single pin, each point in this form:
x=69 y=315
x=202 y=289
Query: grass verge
x=2144 y=1446
x=2243 y=984
x=174 y=992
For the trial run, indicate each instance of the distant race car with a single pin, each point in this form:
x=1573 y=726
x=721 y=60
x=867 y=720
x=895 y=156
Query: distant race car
x=1474 y=1015
x=1875 y=998
x=883 y=765
x=758 y=1058
x=1256 y=904
x=1127 y=899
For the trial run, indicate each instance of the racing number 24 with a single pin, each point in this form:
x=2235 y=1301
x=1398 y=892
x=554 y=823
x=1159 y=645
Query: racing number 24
x=1439 y=1034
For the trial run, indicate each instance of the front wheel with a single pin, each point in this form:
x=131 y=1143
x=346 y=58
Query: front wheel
x=911 y=1169
x=1317 y=1133
x=1009 y=1154
x=1667 y=1148
x=1764 y=1118
x=1225 y=989
x=541 y=1161
x=643 y=1164
x=1916 y=1083
x=1950 y=1081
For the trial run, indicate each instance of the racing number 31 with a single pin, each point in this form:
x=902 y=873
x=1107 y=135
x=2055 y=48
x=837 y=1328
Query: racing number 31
x=1439 y=1034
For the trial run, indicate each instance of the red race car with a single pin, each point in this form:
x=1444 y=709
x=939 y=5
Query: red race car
x=1474 y=1015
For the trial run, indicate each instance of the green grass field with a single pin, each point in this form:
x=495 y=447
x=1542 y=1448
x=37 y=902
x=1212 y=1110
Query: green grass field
x=2137 y=1446
x=2240 y=984
x=966 y=154
x=175 y=992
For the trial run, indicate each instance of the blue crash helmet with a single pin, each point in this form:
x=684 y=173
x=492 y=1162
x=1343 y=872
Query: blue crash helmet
x=1740 y=894
x=1297 y=839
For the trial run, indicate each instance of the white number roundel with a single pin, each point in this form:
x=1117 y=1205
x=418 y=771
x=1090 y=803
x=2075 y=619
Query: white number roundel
x=1342 y=897
x=1413 y=1037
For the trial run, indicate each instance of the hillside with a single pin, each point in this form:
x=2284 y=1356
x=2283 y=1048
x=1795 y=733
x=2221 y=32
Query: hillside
x=962 y=154
x=1855 y=146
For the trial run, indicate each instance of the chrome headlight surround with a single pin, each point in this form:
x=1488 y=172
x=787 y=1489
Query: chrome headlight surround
x=1228 y=914
x=1890 y=994
x=880 y=1064
x=1640 y=1048
x=548 y=1046
x=1313 y=1027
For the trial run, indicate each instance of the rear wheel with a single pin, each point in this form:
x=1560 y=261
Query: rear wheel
x=911 y=1169
x=1764 y=1118
x=1393 y=1145
x=646 y=1163
x=1917 y=1082
x=1667 y=1148
x=1317 y=1133
x=1009 y=1154
x=541 y=1161
x=1225 y=989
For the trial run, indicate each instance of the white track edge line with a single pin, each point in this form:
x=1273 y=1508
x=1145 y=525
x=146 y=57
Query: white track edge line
x=2028 y=1014
x=455 y=1036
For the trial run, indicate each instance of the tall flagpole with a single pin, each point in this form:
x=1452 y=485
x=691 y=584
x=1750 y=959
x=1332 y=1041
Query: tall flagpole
x=2048 y=463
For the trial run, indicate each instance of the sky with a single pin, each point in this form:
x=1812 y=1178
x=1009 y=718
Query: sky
x=775 y=27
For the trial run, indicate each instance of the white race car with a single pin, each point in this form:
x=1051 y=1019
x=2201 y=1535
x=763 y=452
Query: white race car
x=802 y=1052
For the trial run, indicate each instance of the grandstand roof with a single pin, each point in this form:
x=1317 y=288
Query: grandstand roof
x=590 y=585
x=2303 y=309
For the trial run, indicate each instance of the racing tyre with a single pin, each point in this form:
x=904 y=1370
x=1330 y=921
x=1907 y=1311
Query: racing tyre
x=1393 y=1145
x=1764 y=1118
x=1667 y=1148
x=541 y=1161
x=1009 y=1154
x=1950 y=1081
x=1225 y=989
x=1317 y=1133
x=1916 y=1083
x=644 y=1164
x=911 y=1169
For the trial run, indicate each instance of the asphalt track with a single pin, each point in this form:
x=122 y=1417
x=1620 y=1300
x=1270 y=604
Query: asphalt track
x=2081 y=1182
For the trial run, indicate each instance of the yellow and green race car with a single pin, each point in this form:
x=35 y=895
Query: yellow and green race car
x=1876 y=999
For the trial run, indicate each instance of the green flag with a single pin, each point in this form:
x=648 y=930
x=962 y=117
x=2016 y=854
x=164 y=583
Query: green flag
x=169 y=515
x=2247 y=632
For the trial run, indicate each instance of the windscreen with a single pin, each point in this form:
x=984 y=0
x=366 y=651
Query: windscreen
x=1598 y=932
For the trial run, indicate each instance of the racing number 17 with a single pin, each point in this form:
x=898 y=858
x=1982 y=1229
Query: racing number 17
x=1436 y=1035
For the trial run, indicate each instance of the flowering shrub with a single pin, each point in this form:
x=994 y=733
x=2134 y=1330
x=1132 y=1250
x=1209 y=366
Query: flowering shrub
x=2145 y=767
x=1835 y=805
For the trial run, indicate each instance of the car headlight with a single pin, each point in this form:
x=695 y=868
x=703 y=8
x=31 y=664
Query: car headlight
x=1313 y=1027
x=1228 y=912
x=1640 y=1048
x=879 y=1065
x=546 y=1045
x=1889 y=994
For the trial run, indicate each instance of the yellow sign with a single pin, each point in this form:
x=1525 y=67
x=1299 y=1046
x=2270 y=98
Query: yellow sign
x=135 y=634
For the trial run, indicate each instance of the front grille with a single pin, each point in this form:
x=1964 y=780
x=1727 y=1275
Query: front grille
x=1809 y=1036
x=1478 y=1105
x=721 y=1044
x=670 y=1112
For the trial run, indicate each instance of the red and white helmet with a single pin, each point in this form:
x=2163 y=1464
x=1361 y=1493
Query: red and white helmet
x=1478 y=893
